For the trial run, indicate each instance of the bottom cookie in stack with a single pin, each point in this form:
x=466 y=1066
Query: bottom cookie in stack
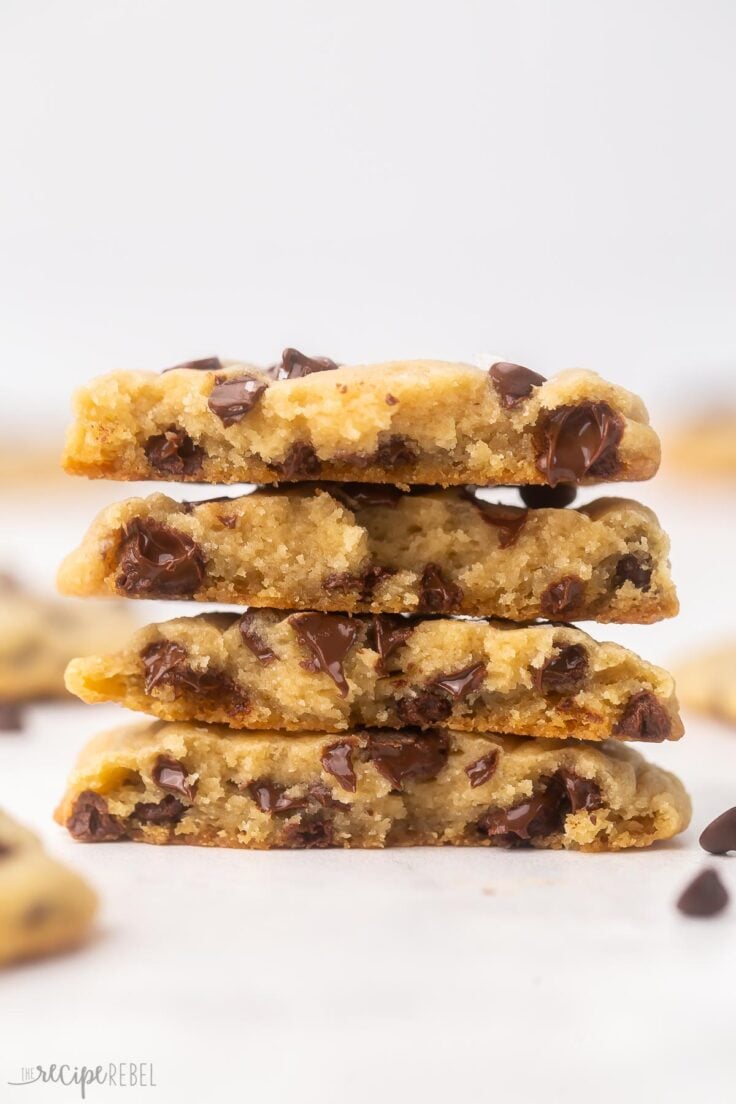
x=202 y=784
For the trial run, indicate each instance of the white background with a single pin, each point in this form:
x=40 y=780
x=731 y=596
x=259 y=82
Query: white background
x=552 y=182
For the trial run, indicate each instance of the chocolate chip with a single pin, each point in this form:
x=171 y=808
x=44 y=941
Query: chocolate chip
x=337 y=760
x=6 y=850
x=436 y=594
x=404 y=756
x=90 y=820
x=563 y=598
x=364 y=582
x=391 y=400
x=579 y=441
x=167 y=811
x=636 y=569
x=188 y=507
x=356 y=496
x=165 y=664
x=158 y=562
x=564 y=672
x=461 y=683
x=425 y=707
x=535 y=818
x=253 y=639
x=208 y=364
x=394 y=452
x=309 y=833
x=270 y=797
x=231 y=399
x=720 y=835
x=301 y=462
x=582 y=793
x=705 y=896
x=329 y=637
x=294 y=365
x=11 y=717
x=643 y=718
x=513 y=382
x=541 y=497
x=173 y=452
x=160 y=660
x=228 y=521
x=509 y=520
x=386 y=634
x=483 y=769
x=322 y=794
x=171 y=775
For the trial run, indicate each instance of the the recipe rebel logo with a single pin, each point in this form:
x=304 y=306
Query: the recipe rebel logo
x=115 y=1075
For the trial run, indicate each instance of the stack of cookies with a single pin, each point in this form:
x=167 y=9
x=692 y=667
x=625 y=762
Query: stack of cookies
x=406 y=671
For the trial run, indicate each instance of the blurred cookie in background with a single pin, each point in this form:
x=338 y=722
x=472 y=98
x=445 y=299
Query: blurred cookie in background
x=38 y=637
x=44 y=906
x=707 y=682
x=706 y=443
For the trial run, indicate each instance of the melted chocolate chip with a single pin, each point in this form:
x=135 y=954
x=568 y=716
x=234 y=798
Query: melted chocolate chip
x=337 y=760
x=11 y=717
x=158 y=562
x=165 y=664
x=231 y=399
x=301 y=462
x=535 y=818
x=563 y=598
x=404 y=756
x=160 y=660
x=395 y=452
x=207 y=364
x=322 y=794
x=386 y=634
x=643 y=718
x=636 y=569
x=509 y=520
x=541 y=497
x=356 y=496
x=579 y=441
x=513 y=382
x=564 y=672
x=705 y=896
x=720 y=835
x=254 y=641
x=582 y=793
x=329 y=638
x=483 y=769
x=462 y=683
x=173 y=452
x=167 y=811
x=171 y=775
x=270 y=797
x=365 y=583
x=294 y=365
x=436 y=594
x=90 y=820
x=308 y=833
x=427 y=707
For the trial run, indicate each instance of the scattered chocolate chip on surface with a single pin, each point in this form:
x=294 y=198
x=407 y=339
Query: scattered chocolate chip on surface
x=171 y=775
x=294 y=365
x=91 y=821
x=564 y=672
x=643 y=718
x=705 y=896
x=157 y=561
x=579 y=441
x=254 y=641
x=404 y=756
x=514 y=382
x=329 y=637
x=563 y=598
x=483 y=769
x=720 y=836
x=337 y=760
x=541 y=497
x=231 y=399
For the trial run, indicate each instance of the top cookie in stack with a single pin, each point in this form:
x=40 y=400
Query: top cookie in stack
x=360 y=523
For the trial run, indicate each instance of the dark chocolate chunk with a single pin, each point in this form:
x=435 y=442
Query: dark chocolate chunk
x=171 y=775
x=254 y=641
x=337 y=760
x=11 y=717
x=542 y=497
x=720 y=835
x=643 y=718
x=582 y=793
x=173 y=452
x=294 y=365
x=513 y=382
x=160 y=660
x=329 y=637
x=356 y=496
x=386 y=634
x=158 y=562
x=564 y=672
x=165 y=664
x=509 y=520
x=391 y=400
x=535 y=818
x=634 y=568
x=301 y=462
x=365 y=582
x=90 y=820
x=394 y=452
x=436 y=594
x=231 y=399
x=309 y=832
x=483 y=769
x=322 y=794
x=705 y=896
x=425 y=708
x=563 y=598
x=167 y=811
x=270 y=797
x=208 y=364
x=404 y=756
x=461 y=683
x=579 y=441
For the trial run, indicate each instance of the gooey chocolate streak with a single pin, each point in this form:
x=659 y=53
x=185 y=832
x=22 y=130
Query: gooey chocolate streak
x=329 y=637
x=156 y=561
x=579 y=441
x=544 y=813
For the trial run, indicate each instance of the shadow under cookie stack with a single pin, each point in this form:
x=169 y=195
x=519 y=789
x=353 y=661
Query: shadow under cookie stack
x=405 y=671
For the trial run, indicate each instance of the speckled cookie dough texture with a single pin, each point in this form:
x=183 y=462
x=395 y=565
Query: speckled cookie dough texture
x=182 y=783
x=406 y=422
x=44 y=906
x=329 y=672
